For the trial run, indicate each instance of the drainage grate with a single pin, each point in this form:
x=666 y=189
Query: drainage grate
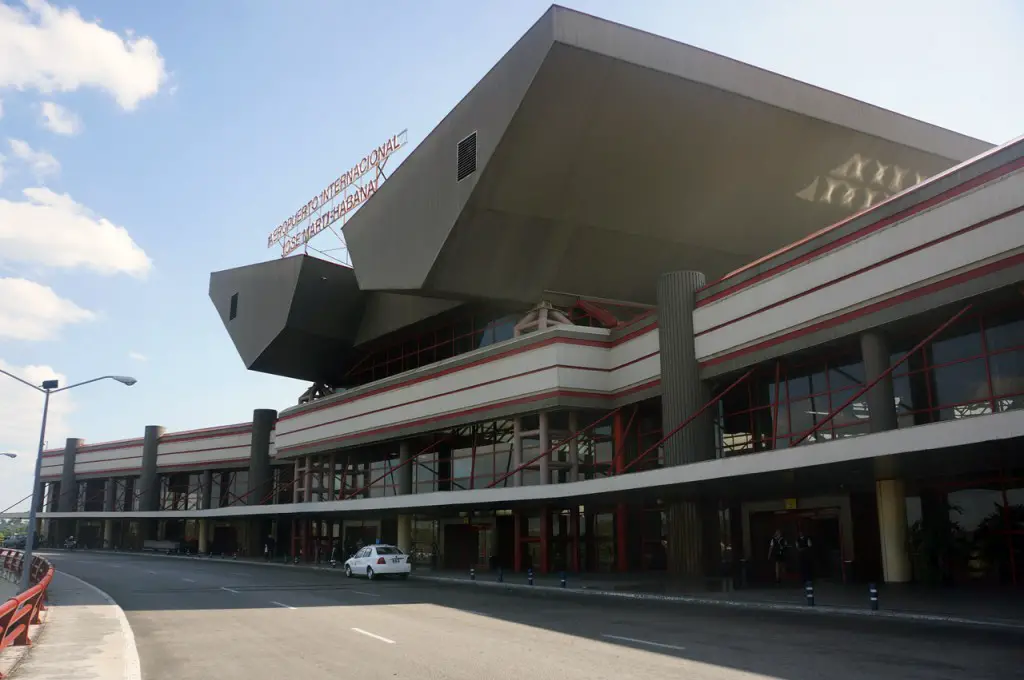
x=467 y=157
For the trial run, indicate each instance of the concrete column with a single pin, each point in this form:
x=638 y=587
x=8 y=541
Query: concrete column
x=574 y=448
x=331 y=477
x=109 y=487
x=307 y=480
x=881 y=398
x=260 y=477
x=544 y=443
x=68 y=501
x=405 y=533
x=892 y=527
x=207 y=500
x=683 y=392
x=517 y=450
x=149 y=481
x=108 y=534
x=404 y=473
x=203 y=538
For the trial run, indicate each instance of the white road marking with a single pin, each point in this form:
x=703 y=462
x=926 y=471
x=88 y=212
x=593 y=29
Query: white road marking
x=188 y=580
x=281 y=604
x=375 y=637
x=363 y=592
x=229 y=590
x=642 y=642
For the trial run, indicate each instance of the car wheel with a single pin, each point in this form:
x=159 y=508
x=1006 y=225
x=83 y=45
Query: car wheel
x=348 y=570
x=369 y=573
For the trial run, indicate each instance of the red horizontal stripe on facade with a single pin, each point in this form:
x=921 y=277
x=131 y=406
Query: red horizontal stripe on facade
x=485 y=383
x=862 y=270
x=477 y=409
x=877 y=306
x=485 y=360
x=943 y=197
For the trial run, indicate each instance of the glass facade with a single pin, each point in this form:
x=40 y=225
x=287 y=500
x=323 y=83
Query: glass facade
x=974 y=368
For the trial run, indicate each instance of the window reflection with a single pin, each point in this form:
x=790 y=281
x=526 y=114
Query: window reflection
x=976 y=368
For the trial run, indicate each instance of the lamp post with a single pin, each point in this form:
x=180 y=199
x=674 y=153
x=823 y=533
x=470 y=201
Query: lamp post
x=48 y=387
x=9 y=455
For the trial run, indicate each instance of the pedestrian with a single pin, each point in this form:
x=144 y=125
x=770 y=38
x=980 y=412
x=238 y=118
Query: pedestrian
x=777 y=555
x=805 y=554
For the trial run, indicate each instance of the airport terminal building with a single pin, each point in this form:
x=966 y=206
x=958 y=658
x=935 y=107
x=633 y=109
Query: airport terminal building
x=631 y=306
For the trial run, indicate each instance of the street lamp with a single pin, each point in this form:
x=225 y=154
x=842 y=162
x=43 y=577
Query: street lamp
x=49 y=387
x=9 y=455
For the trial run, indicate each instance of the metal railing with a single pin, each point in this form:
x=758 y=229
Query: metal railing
x=22 y=611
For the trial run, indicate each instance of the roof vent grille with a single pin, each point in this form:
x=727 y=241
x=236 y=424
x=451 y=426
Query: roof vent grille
x=467 y=157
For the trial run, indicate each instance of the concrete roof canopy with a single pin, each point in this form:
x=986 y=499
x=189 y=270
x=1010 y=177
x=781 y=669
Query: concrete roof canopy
x=602 y=156
x=606 y=155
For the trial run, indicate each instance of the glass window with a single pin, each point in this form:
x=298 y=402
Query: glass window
x=1008 y=372
x=848 y=375
x=962 y=383
x=1005 y=335
x=960 y=347
x=388 y=550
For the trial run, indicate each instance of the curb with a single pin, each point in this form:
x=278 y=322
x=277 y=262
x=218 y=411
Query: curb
x=892 y=615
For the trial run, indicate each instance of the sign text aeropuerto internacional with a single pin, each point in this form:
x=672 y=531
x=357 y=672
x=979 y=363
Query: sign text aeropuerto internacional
x=323 y=210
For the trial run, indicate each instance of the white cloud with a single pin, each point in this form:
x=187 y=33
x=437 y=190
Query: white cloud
x=60 y=120
x=23 y=409
x=32 y=311
x=2 y=170
x=51 y=49
x=41 y=163
x=53 y=230
x=136 y=356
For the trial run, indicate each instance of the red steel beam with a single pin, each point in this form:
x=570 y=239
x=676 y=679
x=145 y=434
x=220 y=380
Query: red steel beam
x=397 y=467
x=557 y=446
x=887 y=372
x=689 y=420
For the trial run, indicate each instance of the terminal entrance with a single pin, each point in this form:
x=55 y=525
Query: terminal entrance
x=820 y=525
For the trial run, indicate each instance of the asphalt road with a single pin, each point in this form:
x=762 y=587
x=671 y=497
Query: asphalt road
x=201 y=619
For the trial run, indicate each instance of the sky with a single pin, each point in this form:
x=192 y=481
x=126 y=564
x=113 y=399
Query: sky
x=144 y=145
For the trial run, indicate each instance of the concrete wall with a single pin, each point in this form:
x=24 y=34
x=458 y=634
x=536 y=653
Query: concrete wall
x=936 y=245
x=580 y=362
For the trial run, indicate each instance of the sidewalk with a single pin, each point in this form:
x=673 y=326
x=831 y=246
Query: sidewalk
x=85 y=636
x=992 y=609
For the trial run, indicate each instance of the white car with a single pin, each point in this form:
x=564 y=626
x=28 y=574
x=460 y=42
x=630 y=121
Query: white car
x=378 y=560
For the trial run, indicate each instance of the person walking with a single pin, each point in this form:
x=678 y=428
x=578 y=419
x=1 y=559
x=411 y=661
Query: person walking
x=777 y=555
x=805 y=555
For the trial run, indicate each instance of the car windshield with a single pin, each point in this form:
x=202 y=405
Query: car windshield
x=388 y=550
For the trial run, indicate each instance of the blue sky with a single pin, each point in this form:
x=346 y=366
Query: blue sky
x=201 y=141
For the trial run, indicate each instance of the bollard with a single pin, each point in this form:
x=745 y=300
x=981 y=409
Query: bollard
x=873 y=596
x=235 y=556
x=563 y=579
x=529 y=576
x=472 y=573
x=501 y=575
x=809 y=593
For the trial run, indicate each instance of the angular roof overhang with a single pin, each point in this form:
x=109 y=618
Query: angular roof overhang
x=304 y=318
x=606 y=156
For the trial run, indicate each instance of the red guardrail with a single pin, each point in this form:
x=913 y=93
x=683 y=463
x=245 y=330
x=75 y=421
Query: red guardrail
x=22 y=611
